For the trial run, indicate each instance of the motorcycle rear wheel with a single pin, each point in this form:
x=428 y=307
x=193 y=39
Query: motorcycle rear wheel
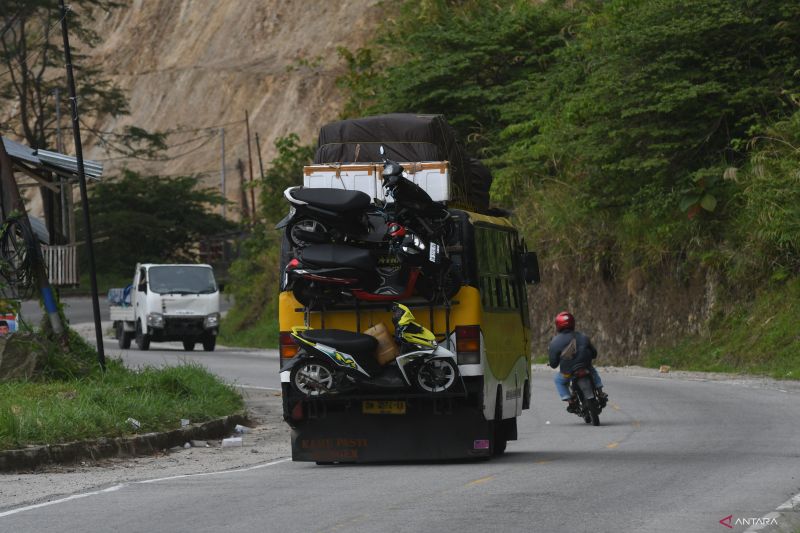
x=307 y=231
x=436 y=375
x=313 y=377
x=432 y=289
x=309 y=293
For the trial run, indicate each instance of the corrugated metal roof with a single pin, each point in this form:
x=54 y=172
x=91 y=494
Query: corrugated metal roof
x=63 y=165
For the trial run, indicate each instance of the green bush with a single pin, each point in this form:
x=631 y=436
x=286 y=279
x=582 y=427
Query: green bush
x=767 y=224
x=255 y=277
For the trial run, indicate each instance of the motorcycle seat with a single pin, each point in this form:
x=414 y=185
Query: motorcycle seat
x=337 y=200
x=359 y=345
x=337 y=255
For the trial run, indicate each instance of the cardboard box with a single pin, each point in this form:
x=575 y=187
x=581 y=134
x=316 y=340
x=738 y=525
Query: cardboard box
x=387 y=350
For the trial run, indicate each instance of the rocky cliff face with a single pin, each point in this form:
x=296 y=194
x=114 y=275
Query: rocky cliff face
x=623 y=317
x=196 y=66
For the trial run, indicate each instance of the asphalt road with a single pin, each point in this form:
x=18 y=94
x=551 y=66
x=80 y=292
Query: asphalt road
x=78 y=309
x=671 y=455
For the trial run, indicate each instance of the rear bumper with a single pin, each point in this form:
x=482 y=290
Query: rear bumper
x=337 y=430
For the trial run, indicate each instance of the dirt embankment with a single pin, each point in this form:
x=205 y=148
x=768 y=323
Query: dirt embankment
x=198 y=65
x=623 y=316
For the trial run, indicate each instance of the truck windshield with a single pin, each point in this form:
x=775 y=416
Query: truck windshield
x=182 y=280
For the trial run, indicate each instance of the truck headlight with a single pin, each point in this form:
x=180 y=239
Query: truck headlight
x=211 y=321
x=155 y=320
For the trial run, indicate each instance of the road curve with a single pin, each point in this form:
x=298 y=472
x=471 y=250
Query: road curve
x=671 y=455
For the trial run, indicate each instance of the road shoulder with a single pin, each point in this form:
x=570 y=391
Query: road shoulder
x=268 y=440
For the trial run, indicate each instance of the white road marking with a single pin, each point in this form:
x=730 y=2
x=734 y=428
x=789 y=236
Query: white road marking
x=256 y=387
x=142 y=482
x=791 y=504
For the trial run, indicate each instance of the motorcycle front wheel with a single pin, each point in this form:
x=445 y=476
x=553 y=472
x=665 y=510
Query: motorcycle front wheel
x=436 y=375
x=313 y=377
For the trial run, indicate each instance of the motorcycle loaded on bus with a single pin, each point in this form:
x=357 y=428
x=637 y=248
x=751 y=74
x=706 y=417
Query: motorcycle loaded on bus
x=346 y=247
x=332 y=360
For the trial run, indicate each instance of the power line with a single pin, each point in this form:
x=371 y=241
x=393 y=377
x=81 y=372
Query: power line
x=36 y=44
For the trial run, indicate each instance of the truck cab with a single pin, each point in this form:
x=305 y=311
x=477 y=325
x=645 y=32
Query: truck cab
x=172 y=303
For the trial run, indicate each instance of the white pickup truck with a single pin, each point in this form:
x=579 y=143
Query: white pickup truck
x=167 y=303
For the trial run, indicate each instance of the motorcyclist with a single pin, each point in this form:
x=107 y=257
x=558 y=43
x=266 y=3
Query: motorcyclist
x=571 y=349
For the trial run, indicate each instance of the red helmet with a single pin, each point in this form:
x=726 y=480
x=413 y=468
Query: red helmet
x=564 y=320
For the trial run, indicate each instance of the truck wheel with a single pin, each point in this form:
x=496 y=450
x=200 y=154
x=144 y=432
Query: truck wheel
x=209 y=343
x=142 y=339
x=188 y=346
x=123 y=337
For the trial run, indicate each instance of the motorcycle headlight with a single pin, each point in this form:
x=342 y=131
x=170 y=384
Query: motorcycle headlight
x=155 y=320
x=211 y=321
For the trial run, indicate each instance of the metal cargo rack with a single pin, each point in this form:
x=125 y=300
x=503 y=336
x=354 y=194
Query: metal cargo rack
x=411 y=303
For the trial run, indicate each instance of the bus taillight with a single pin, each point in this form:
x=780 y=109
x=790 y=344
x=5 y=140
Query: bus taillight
x=468 y=345
x=288 y=347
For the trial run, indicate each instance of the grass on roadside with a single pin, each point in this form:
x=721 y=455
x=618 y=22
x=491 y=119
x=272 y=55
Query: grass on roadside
x=71 y=399
x=99 y=405
x=261 y=334
x=762 y=337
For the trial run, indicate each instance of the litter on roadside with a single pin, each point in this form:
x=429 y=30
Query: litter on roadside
x=135 y=424
x=232 y=442
x=242 y=429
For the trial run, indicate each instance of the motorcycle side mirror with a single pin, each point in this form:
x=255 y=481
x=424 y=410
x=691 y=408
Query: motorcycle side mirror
x=382 y=151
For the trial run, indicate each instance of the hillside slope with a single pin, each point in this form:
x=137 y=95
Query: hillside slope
x=199 y=65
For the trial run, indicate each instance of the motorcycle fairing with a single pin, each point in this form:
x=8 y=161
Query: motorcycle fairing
x=285 y=220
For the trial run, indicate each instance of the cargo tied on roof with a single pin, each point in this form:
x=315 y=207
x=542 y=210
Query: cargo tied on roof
x=408 y=138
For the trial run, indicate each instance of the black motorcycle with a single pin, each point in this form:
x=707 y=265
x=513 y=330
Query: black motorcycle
x=589 y=404
x=322 y=274
x=320 y=216
x=412 y=206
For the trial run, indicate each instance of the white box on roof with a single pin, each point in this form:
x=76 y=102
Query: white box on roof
x=432 y=176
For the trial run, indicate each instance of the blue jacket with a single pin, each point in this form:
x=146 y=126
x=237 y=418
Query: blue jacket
x=583 y=356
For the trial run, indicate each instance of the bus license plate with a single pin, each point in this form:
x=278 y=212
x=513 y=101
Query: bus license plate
x=383 y=407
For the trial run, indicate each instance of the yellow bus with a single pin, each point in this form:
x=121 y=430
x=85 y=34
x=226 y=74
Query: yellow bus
x=486 y=324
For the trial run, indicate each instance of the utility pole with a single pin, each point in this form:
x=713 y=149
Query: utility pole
x=260 y=162
x=250 y=162
x=243 y=189
x=76 y=133
x=222 y=169
x=65 y=223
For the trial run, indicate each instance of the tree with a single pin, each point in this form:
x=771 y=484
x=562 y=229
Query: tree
x=149 y=218
x=284 y=171
x=32 y=69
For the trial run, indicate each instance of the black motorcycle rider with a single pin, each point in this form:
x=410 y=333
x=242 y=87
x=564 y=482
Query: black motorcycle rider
x=571 y=349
